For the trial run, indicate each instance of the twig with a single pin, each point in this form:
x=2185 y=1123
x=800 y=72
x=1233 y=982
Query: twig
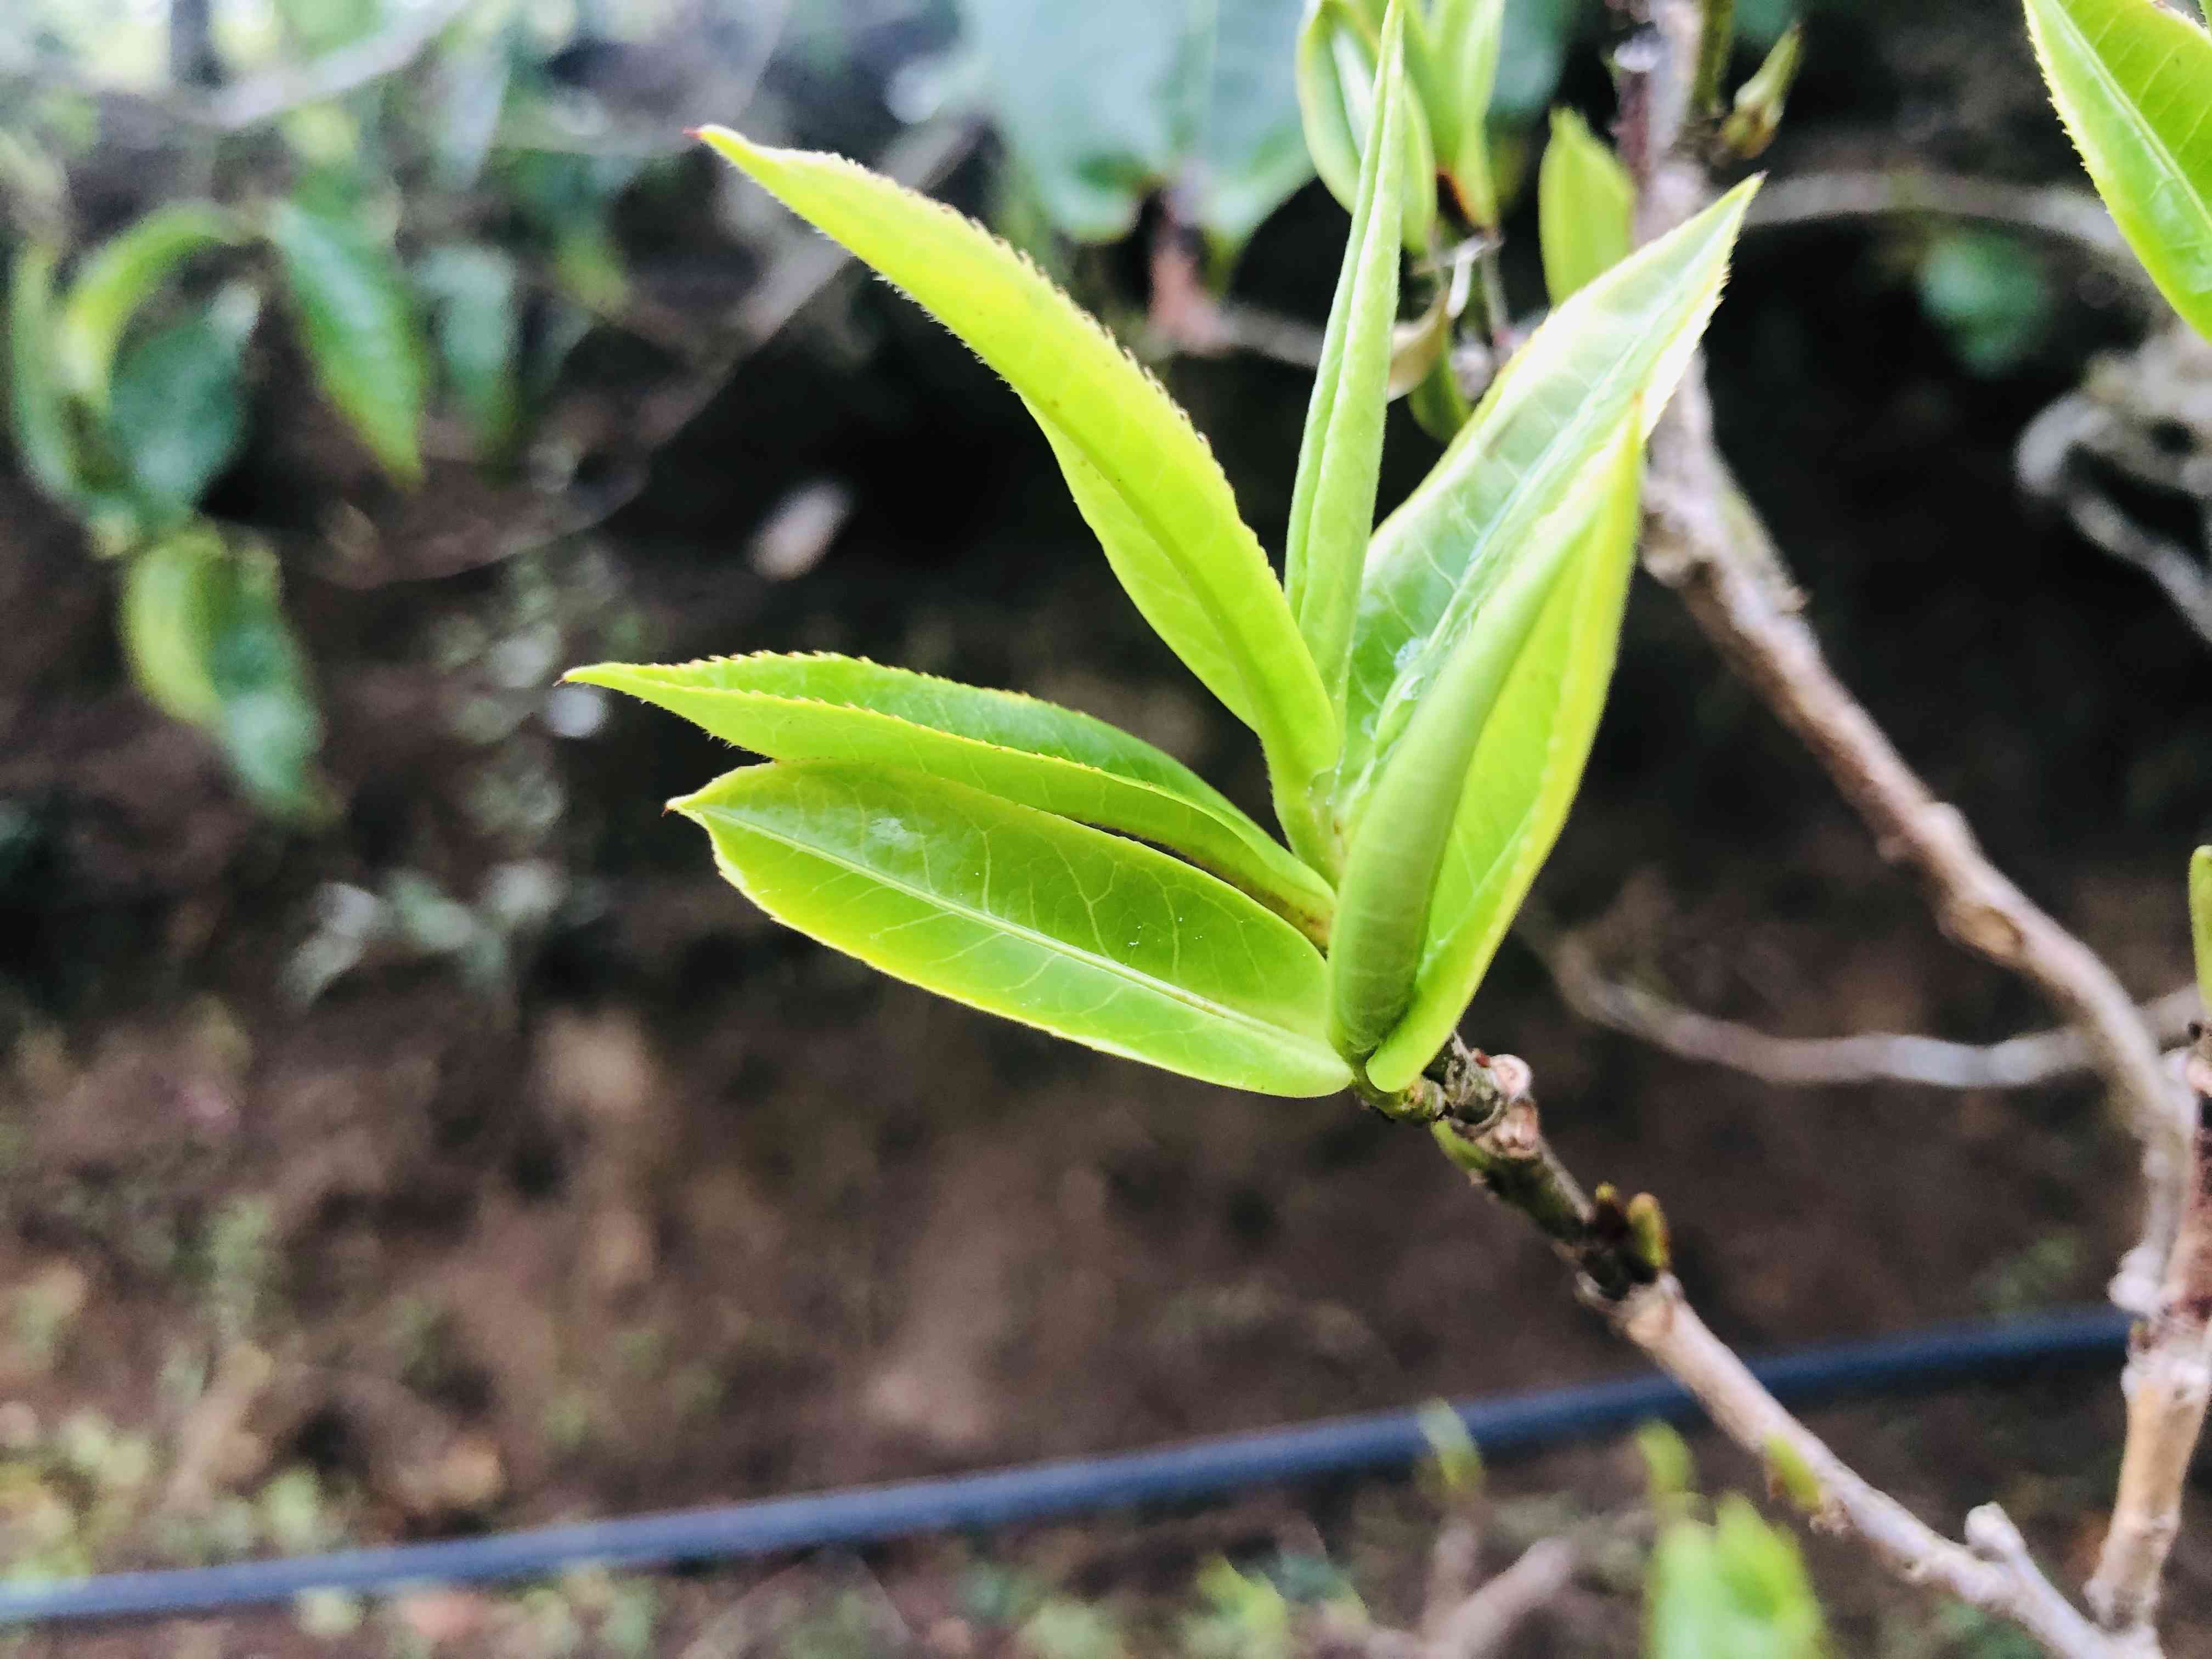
x=263 y=97
x=1486 y=1119
x=1480 y=1625
x=1703 y=539
x=2018 y=1062
x=2058 y=212
x=2167 y=1381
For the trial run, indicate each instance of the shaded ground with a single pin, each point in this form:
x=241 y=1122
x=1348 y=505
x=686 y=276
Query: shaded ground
x=687 y=1209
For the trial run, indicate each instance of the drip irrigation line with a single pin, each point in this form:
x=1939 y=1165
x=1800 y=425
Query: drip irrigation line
x=1178 y=1473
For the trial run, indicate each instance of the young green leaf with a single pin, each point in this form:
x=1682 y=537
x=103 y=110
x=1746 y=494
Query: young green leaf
x=1034 y=753
x=2200 y=919
x=36 y=405
x=1401 y=947
x=1337 y=52
x=1333 y=499
x=1622 y=339
x=1029 y=917
x=360 y=329
x=1524 y=769
x=205 y=635
x=115 y=280
x=1145 y=481
x=177 y=409
x=1584 y=205
x=1736 y=1590
x=1467 y=33
x=2133 y=81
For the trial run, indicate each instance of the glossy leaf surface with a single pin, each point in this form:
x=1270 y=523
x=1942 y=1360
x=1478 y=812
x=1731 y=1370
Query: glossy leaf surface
x=358 y=324
x=1518 y=777
x=1333 y=499
x=1585 y=205
x=1143 y=478
x=1401 y=941
x=2132 y=80
x=1028 y=915
x=1624 y=339
x=116 y=279
x=1034 y=753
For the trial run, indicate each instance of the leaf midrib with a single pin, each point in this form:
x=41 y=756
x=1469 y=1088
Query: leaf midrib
x=2131 y=113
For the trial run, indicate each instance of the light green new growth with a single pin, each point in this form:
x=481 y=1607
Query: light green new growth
x=2132 y=80
x=1585 y=202
x=2200 y=920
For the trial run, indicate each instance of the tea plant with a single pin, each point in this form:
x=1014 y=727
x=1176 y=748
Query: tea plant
x=1424 y=694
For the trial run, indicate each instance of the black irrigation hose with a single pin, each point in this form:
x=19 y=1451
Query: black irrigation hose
x=1170 y=1474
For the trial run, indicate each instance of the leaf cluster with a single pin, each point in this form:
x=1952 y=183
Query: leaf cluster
x=1424 y=693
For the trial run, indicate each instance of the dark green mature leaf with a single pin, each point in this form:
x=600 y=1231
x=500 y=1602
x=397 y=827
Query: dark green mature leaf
x=177 y=409
x=36 y=405
x=1338 y=50
x=1624 y=339
x=1468 y=34
x=1585 y=205
x=1143 y=478
x=1736 y=1590
x=205 y=631
x=358 y=324
x=478 y=331
x=2133 y=81
x=1482 y=778
x=1103 y=105
x=1520 y=775
x=1028 y=915
x=1333 y=499
x=116 y=279
x=1036 y=754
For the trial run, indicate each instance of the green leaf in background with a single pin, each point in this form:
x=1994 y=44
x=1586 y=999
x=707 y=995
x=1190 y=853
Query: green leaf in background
x=2132 y=80
x=205 y=631
x=1145 y=480
x=177 y=411
x=1018 y=748
x=1519 y=775
x=1337 y=53
x=1102 y=104
x=1624 y=339
x=1585 y=207
x=477 y=326
x=359 y=326
x=116 y=279
x=1990 y=294
x=1023 y=915
x=1340 y=459
x=1467 y=35
x=37 y=408
x=1736 y=1590
x=2200 y=919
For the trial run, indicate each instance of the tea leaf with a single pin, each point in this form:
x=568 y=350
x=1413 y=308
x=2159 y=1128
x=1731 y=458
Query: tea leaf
x=2132 y=80
x=1025 y=915
x=1524 y=771
x=1478 y=787
x=1338 y=51
x=358 y=324
x=1467 y=33
x=478 y=331
x=178 y=411
x=1624 y=338
x=1332 y=501
x=1143 y=478
x=1585 y=202
x=1034 y=753
x=36 y=405
x=2200 y=920
x=116 y=279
